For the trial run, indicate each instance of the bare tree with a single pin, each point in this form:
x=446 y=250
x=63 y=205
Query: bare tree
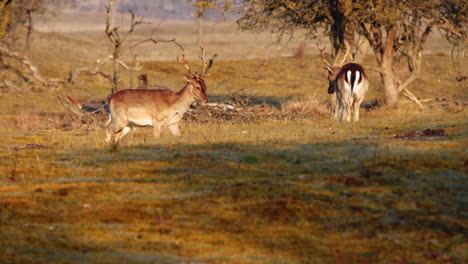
x=5 y=10
x=118 y=39
x=202 y=6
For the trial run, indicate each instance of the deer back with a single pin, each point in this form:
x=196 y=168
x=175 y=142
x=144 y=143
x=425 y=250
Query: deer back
x=350 y=73
x=143 y=98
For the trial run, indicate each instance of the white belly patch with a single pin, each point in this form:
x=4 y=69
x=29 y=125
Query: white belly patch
x=142 y=121
x=139 y=117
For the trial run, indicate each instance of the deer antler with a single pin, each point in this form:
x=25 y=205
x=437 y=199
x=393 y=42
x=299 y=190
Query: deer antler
x=329 y=67
x=348 y=50
x=184 y=62
x=206 y=65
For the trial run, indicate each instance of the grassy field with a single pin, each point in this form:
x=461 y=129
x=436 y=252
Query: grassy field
x=291 y=190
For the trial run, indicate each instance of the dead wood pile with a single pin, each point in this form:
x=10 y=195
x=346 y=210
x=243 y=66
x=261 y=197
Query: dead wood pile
x=231 y=112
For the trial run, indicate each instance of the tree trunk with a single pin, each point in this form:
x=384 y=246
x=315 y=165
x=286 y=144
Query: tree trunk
x=27 y=45
x=388 y=76
x=390 y=87
x=5 y=10
x=200 y=31
x=342 y=29
x=115 y=80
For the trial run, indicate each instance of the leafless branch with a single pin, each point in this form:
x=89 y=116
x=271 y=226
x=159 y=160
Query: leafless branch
x=75 y=74
x=413 y=98
x=33 y=68
x=375 y=68
x=156 y=41
x=128 y=68
x=407 y=82
x=133 y=24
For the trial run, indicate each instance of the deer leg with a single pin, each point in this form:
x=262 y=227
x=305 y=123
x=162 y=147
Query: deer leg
x=124 y=132
x=348 y=104
x=175 y=129
x=343 y=107
x=341 y=111
x=158 y=122
x=108 y=135
x=116 y=128
x=116 y=137
x=348 y=112
x=356 y=106
x=174 y=125
x=334 y=105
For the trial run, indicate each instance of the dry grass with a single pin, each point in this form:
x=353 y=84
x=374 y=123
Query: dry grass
x=305 y=107
x=291 y=190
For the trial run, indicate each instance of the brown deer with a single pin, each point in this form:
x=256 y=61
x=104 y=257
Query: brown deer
x=155 y=107
x=349 y=82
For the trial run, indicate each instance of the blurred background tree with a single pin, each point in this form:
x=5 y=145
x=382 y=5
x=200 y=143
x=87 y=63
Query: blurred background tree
x=21 y=19
x=395 y=29
x=397 y=32
x=5 y=12
x=202 y=6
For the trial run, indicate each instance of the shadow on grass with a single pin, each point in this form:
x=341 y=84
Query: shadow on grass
x=296 y=202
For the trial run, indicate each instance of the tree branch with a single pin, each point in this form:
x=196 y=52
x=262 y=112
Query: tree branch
x=156 y=41
x=33 y=68
x=413 y=98
x=89 y=71
x=128 y=68
x=375 y=68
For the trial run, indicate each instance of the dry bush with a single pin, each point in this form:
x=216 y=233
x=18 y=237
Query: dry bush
x=305 y=107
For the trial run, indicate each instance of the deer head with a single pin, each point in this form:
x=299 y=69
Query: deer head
x=195 y=79
x=334 y=70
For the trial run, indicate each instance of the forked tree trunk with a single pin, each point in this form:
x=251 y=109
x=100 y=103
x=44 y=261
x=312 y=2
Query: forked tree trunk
x=385 y=58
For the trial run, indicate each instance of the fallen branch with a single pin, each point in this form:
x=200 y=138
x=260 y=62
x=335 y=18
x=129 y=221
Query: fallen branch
x=33 y=68
x=413 y=98
x=89 y=71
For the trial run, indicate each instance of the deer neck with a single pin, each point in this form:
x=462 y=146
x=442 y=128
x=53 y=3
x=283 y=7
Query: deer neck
x=184 y=97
